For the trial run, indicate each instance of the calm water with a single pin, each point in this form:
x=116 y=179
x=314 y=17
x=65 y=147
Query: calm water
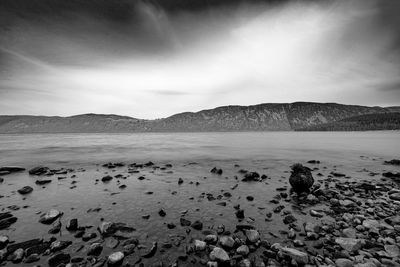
x=272 y=153
x=30 y=150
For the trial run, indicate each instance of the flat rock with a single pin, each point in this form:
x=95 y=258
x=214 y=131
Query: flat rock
x=350 y=244
x=297 y=255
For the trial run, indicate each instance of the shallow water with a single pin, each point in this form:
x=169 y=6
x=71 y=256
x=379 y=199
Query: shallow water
x=354 y=153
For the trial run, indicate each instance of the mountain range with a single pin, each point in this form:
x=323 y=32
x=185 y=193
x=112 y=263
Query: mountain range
x=262 y=117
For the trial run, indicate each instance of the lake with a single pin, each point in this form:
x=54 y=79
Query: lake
x=201 y=196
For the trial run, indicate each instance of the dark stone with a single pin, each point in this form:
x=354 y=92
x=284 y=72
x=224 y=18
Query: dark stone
x=240 y=214
x=72 y=225
x=106 y=178
x=25 y=190
x=215 y=170
x=151 y=252
x=251 y=177
x=391 y=162
x=162 y=213
x=185 y=222
x=38 y=170
x=6 y=220
x=24 y=245
x=301 y=178
x=11 y=169
x=180 y=181
x=197 y=225
x=58 y=259
x=42 y=182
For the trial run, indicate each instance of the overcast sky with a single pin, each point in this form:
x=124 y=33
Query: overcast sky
x=150 y=60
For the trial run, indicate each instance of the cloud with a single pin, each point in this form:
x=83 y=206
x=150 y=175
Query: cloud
x=159 y=63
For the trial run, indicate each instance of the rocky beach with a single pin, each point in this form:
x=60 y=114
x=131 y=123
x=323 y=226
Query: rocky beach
x=245 y=212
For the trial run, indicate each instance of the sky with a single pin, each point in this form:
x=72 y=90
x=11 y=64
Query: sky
x=152 y=59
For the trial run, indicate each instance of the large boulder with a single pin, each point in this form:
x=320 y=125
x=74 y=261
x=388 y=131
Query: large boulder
x=301 y=178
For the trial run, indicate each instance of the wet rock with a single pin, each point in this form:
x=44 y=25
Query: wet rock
x=3 y=241
x=6 y=220
x=350 y=244
x=313 y=161
x=250 y=198
x=38 y=170
x=184 y=222
x=297 y=255
x=344 y=263
x=25 y=190
x=32 y=258
x=199 y=245
x=251 y=177
x=252 y=235
x=115 y=258
x=288 y=219
x=239 y=214
x=55 y=229
x=197 y=225
x=24 y=245
x=393 y=162
x=106 y=179
x=95 y=249
x=301 y=178
x=59 y=245
x=215 y=170
x=243 y=250
x=180 y=181
x=152 y=251
x=220 y=255
x=315 y=213
x=50 y=216
x=226 y=241
x=42 y=182
x=58 y=259
x=11 y=169
x=72 y=225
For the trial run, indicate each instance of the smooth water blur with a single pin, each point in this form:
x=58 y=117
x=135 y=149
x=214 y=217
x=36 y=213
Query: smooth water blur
x=34 y=149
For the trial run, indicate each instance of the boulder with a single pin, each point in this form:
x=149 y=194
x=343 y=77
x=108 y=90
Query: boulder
x=38 y=170
x=350 y=244
x=301 y=178
x=11 y=169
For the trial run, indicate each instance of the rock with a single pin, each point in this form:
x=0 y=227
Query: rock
x=315 y=213
x=106 y=179
x=350 y=244
x=185 y=222
x=199 y=245
x=4 y=241
x=72 y=225
x=180 y=181
x=38 y=170
x=59 y=245
x=50 y=216
x=289 y=219
x=243 y=250
x=245 y=263
x=219 y=254
x=152 y=251
x=6 y=220
x=239 y=214
x=197 y=225
x=11 y=169
x=24 y=245
x=115 y=258
x=55 y=229
x=226 y=241
x=162 y=213
x=42 y=182
x=297 y=255
x=344 y=263
x=18 y=255
x=251 y=177
x=252 y=235
x=111 y=242
x=393 y=162
x=212 y=239
x=58 y=259
x=32 y=258
x=216 y=171
x=371 y=224
x=392 y=250
x=395 y=196
x=95 y=249
x=301 y=178
x=25 y=190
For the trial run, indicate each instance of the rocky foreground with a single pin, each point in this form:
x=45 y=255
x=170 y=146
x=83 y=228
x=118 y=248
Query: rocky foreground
x=360 y=226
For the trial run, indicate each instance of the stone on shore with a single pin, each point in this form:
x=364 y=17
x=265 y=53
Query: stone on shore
x=301 y=178
x=25 y=190
x=297 y=255
x=350 y=244
x=219 y=254
x=50 y=216
x=115 y=258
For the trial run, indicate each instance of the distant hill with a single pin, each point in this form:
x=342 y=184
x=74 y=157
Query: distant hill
x=263 y=117
x=367 y=122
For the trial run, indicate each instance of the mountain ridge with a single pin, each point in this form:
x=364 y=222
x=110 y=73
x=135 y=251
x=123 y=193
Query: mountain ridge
x=259 y=117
